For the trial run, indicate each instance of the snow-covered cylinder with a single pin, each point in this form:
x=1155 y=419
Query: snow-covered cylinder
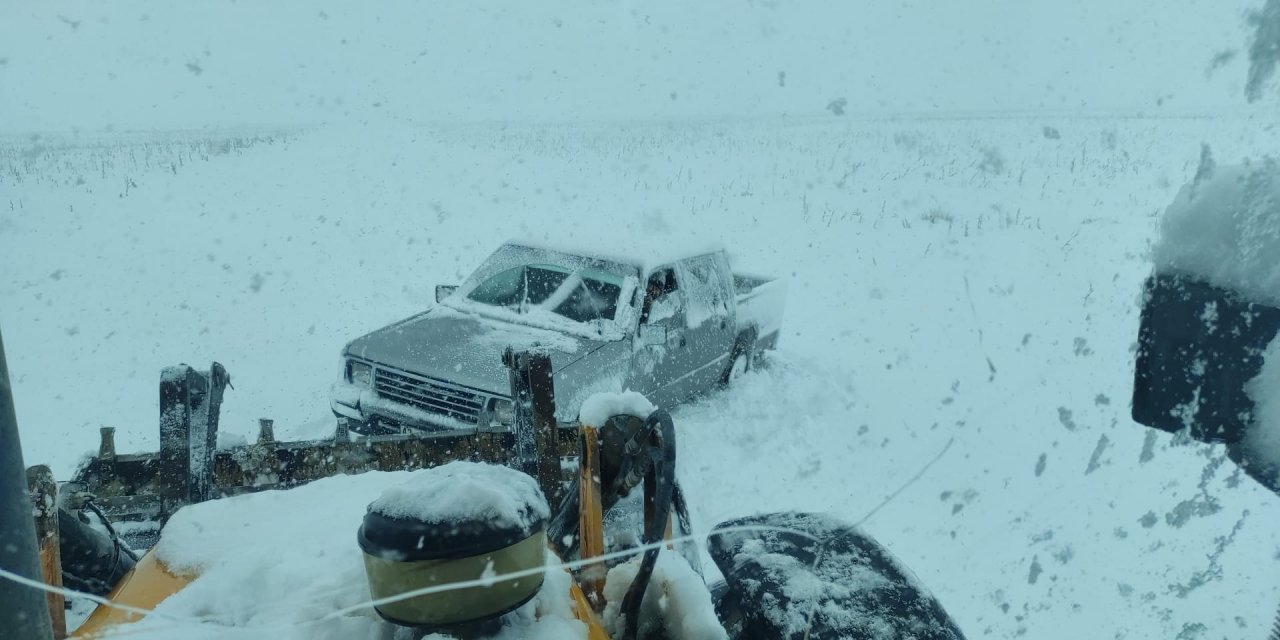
x=458 y=522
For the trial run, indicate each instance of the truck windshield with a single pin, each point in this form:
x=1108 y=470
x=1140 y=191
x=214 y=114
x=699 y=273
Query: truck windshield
x=582 y=296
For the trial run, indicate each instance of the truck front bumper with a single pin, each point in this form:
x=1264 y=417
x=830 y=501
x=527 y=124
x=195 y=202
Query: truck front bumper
x=344 y=399
x=363 y=404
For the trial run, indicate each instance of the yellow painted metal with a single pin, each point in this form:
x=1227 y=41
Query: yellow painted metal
x=582 y=610
x=149 y=583
x=591 y=517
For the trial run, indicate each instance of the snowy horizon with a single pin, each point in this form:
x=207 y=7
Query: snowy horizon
x=149 y=66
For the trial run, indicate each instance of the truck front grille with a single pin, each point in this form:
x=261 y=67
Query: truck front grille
x=436 y=396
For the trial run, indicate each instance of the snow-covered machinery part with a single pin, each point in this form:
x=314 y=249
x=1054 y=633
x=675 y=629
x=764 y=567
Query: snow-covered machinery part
x=148 y=487
x=460 y=521
x=533 y=424
x=457 y=522
x=626 y=452
x=1211 y=312
x=659 y=492
x=767 y=559
x=626 y=447
x=1209 y=337
x=190 y=403
x=804 y=576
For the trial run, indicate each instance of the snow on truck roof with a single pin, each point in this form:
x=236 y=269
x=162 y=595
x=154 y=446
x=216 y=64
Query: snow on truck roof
x=1224 y=227
x=645 y=252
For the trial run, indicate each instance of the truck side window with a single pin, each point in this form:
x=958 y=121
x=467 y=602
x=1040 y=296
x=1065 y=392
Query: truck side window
x=504 y=289
x=660 y=284
x=703 y=290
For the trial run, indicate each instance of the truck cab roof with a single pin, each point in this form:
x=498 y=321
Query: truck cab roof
x=645 y=255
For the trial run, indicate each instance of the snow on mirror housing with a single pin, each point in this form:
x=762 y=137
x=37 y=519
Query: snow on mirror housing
x=1210 y=314
x=444 y=291
x=456 y=522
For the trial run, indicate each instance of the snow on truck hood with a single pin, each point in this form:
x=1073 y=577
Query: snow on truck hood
x=464 y=348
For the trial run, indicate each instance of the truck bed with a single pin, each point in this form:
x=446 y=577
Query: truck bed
x=760 y=301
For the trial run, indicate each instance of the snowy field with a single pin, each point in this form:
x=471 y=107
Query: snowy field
x=971 y=283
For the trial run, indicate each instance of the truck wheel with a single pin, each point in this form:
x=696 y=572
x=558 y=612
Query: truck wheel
x=741 y=359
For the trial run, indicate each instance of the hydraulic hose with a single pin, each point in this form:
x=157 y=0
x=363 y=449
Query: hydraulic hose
x=92 y=561
x=662 y=455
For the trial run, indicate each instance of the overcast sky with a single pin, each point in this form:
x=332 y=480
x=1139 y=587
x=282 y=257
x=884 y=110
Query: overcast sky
x=124 y=65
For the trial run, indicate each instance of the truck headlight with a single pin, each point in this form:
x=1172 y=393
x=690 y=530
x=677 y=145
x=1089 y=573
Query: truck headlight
x=502 y=411
x=359 y=373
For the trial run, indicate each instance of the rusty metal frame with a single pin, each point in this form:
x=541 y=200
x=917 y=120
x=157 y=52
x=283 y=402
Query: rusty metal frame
x=44 y=506
x=152 y=486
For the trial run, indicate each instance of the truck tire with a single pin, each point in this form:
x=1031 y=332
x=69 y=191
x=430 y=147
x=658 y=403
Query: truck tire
x=741 y=358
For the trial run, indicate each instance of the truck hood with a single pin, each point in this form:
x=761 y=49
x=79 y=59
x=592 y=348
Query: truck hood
x=464 y=348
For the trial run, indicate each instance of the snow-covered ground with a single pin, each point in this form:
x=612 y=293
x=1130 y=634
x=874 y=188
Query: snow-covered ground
x=963 y=285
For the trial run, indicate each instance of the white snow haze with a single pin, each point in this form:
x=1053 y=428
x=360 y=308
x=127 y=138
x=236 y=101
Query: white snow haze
x=963 y=198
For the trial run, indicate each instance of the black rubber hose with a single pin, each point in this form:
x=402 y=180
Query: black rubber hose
x=563 y=529
x=91 y=560
x=564 y=525
x=662 y=451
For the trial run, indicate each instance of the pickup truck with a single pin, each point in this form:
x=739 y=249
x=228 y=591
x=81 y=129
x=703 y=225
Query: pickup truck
x=670 y=327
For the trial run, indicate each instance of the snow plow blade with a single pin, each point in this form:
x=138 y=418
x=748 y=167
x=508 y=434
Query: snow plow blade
x=188 y=469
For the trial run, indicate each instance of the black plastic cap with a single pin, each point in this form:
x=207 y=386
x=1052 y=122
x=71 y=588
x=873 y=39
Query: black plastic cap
x=409 y=540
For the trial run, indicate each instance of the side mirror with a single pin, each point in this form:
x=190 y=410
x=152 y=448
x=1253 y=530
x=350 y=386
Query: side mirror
x=1206 y=362
x=652 y=335
x=1193 y=367
x=809 y=576
x=444 y=291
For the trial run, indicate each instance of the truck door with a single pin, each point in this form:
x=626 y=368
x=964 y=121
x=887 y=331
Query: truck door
x=662 y=362
x=709 y=321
